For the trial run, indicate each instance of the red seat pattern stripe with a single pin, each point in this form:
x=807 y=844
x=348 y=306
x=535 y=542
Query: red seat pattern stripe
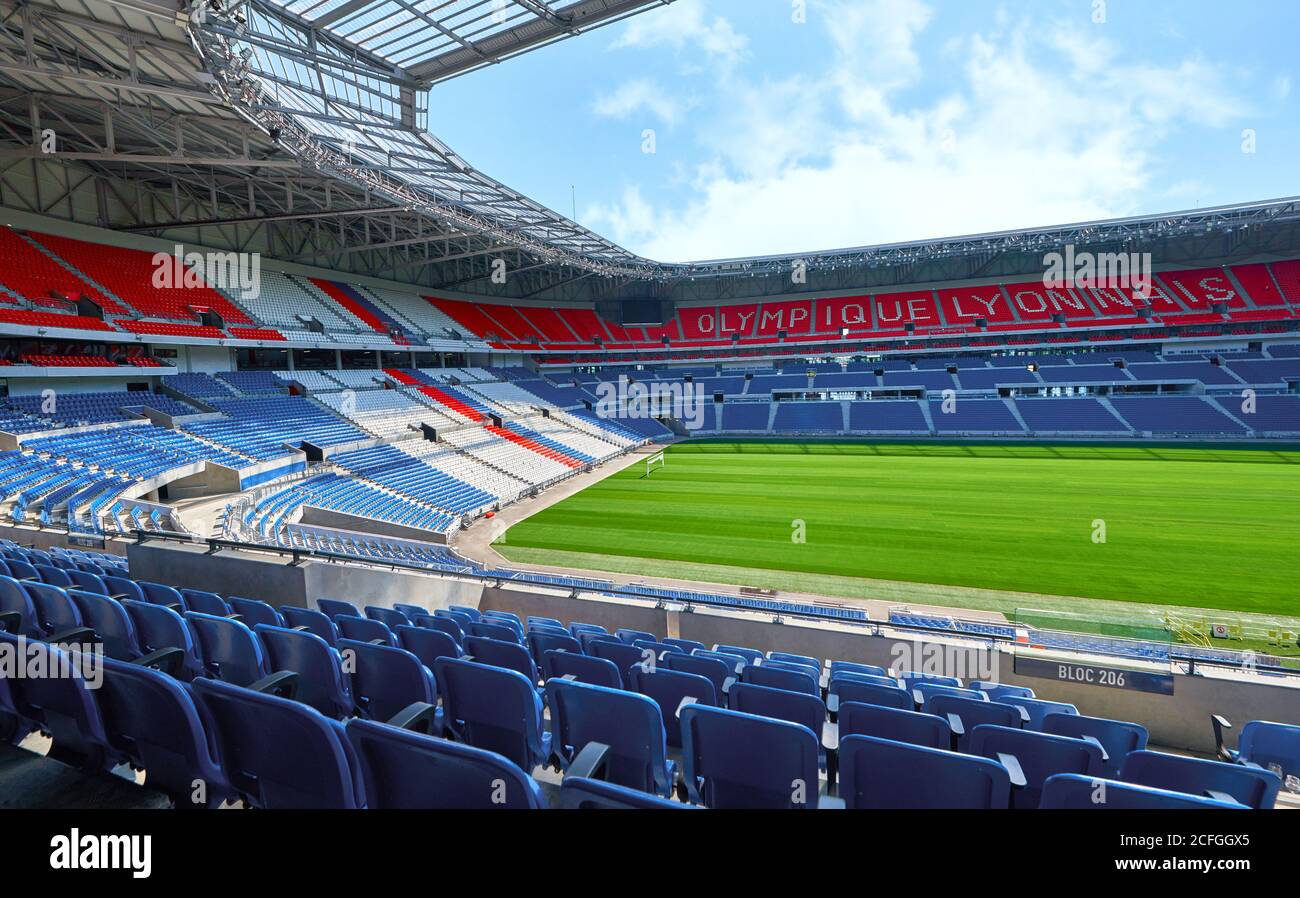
x=550 y=453
x=334 y=292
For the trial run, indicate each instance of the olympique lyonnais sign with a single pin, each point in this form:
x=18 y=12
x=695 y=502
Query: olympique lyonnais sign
x=1095 y=675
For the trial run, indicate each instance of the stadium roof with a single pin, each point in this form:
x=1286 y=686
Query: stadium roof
x=297 y=128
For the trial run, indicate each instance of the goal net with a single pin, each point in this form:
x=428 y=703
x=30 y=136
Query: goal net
x=653 y=461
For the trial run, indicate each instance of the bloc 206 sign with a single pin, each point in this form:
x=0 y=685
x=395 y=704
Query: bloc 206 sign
x=1096 y=675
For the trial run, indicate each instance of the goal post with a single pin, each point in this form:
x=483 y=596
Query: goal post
x=652 y=460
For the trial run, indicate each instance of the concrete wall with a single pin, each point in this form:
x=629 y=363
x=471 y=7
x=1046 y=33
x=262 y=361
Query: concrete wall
x=275 y=579
x=1180 y=721
x=338 y=520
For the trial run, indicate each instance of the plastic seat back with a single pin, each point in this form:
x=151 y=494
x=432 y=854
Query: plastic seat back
x=713 y=670
x=363 y=629
x=1039 y=755
x=846 y=691
x=672 y=690
x=312 y=621
x=444 y=625
x=280 y=753
x=582 y=793
x=583 y=668
x=205 y=602
x=390 y=617
x=55 y=576
x=540 y=642
x=883 y=774
x=62 y=702
x=494 y=709
x=229 y=650
x=111 y=623
x=427 y=645
x=495 y=630
x=780 y=678
x=153 y=721
x=15 y=599
x=898 y=724
x=741 y=761
x=970 y=713
x=502 y=653
x=1036 y=710
x=88 y=582
x=123 y=588
x=998 y=691
x=336 y=608
x=857 y=667
x=321 y=681
x=159 y=627
x=1271 y=744
x=686 y=645
x=782 y=704
x=161 y=594
x=1254 y=787
x=629 y=723
x=55 y=611
x=1076 y=792
x=1116 y=737
x=412 y=771
x=386 y=679
x=622 y=654
x=469 y=611
x=751 y=656
x=253 y=612
x=631 y=636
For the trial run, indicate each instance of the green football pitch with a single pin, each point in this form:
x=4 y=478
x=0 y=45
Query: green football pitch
x=1205 y=527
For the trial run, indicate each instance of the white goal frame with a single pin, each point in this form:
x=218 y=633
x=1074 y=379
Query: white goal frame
x=650 y=462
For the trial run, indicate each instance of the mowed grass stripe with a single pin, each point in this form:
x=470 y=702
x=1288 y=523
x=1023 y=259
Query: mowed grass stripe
x=1210 y=528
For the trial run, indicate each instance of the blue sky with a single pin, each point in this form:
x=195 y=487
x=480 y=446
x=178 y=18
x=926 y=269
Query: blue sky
x=874 y=121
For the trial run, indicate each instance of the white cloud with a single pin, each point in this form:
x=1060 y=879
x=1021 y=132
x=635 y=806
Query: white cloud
x=1036 y=126
x=684 y=26
x=635 y=96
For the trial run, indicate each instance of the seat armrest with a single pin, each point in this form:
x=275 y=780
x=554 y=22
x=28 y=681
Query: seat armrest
x=727 y=684
x=833 y=703
x=1220 y=723
x=1012 y=763
x=955 y=724
x=418 y=717
x=10 y=621
x=831 y=803
x=283 y=683
x=686 y=700
x=74 y=635
x=1093 y=740
x=168 y=660
x=590 y=762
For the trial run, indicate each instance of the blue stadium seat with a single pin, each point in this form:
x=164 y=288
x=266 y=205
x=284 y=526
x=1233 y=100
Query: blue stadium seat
x=735 y=663
x=910 y=678
x=1262 y=743
x=669 y=689
x=1116 y=738
x=964 y=714
x=897 y=724
x=54 y=576
x=805 y=660
x=63 y=706
x=336 y=608
x=229 y=650
x=389 y=617
x=280 y=753
x=363 y=629
x=110 y=622
x=751 y=656
x=412 y=771
x=54 y=610
x=321 y=681
x=162 y=594
x=576 y=627
x=1036 y=710
x=659 y=649
x=620 y=653
x=583 y=668
x=923 y=691
x=502 y=653
x=779 y=678
x=253 y=612
x=631 y=636
x=733 y=760
x=427 y=645
x=443 y=624
x=411 y=611
x=462 y=620
x=627 y=725
x=856 y=667
x=494 y=709
x=15 y=600
x=495 y=630
x=542 y=641
x=841 y=691
x=998 y=691
x=1254 y=787
x=158 y=627
x=123 y=588
x=715 y=671
x=205 y=602
x=881 y=774
x=534 y=620
x=386 y=681
x=88 y=582
x=152 y=721
x=1076 y=792
x=311 y=621
x=686 y=645
x=1031 y=757
x=469 y=611
x=583 y=793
